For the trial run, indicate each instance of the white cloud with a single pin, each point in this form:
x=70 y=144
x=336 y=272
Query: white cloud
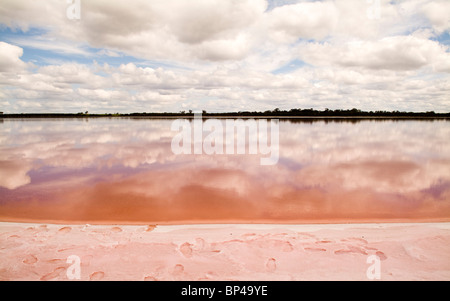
x=25 y=14
x=438 y=13
x=10 y=57
x=196 y=21
x=101 y=94
x=391 y=53
x=167 y=29
x=73 y=73
x=309 y=20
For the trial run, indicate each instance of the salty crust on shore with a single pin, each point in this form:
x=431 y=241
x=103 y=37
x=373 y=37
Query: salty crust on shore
x=406 y=251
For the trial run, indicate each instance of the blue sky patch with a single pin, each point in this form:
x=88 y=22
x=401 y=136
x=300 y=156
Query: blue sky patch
x=290 y=67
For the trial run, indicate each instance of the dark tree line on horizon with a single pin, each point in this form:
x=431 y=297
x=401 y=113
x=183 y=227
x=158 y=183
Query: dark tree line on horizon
x=269 y=113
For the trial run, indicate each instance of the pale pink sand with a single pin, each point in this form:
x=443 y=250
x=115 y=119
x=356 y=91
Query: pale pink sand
x=419 y=251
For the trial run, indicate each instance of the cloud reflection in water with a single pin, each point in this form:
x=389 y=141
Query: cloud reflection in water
x=123 y=170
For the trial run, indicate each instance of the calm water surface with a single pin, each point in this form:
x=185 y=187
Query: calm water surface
x=121 y=170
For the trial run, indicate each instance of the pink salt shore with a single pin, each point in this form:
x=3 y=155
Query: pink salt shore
x=406 y=251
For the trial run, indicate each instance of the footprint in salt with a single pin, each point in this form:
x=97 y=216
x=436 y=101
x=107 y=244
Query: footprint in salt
x=150 y=228
x=249 y=235
x=97 y=275
x=342 y=251
x=56 y=260
x=116 y=229
x=186 y=249
x=381 y=255
x=315 y=249
x=199 y=243
x=370 y=248
x=271 y=265
x=56 y=272
x=324 y=241
x=64 y=230
x=282 y=245
x=351 y=250
x=178 y=269
x=30 y=259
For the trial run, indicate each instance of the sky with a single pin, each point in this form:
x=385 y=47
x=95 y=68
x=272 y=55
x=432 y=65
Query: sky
x=129 y=56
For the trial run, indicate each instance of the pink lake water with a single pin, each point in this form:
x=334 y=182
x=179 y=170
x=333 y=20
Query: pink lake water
x=123 y=170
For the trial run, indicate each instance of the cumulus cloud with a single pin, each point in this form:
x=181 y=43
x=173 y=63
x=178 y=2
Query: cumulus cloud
x=195 y=21
x=438 y=13
x=25 y=15
x=169 y=29
x=309 y=20
x=391 y=53
x=10 y=57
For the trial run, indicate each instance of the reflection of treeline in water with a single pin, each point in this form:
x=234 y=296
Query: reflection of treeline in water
x=311 y=113
x=331 y=113
x=357 y=119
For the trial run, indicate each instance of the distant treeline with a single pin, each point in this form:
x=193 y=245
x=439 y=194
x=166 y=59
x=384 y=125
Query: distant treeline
x=270 y=113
